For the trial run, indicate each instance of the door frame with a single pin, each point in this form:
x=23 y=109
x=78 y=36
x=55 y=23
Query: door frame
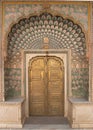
x=30 y=66
x=65 y=55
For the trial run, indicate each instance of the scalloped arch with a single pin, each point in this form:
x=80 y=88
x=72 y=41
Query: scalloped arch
x=63 y=33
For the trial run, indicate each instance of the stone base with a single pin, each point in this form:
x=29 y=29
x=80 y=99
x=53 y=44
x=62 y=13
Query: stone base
x=80 y=113
x=11 y=125
x=82 y=125
x=12 y=113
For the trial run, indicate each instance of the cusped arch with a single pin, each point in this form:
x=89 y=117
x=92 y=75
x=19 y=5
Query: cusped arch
x=62 y=33
x=29 y=33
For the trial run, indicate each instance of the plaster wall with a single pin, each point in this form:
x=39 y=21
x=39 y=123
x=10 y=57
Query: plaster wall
x=12 y=114
x=80 y=113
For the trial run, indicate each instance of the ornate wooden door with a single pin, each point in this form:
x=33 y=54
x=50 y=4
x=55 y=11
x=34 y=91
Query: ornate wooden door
x=46 y=92
x=55 y=87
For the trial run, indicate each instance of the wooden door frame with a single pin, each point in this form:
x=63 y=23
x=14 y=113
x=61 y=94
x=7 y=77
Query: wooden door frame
x=65 y=55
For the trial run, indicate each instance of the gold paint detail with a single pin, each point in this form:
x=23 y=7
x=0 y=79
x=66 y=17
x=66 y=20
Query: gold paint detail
x=46 y=40
x=46 y=43
x=46 y=86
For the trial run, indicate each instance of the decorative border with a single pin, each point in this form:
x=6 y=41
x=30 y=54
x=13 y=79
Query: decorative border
x=46 y=8
x=67 y=76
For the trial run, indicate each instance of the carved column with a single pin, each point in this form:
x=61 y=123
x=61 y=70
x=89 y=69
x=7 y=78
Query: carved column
x=1 y=59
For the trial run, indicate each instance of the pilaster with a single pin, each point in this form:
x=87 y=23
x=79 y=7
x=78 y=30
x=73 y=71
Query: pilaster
x=91 y=55
x=1 y=59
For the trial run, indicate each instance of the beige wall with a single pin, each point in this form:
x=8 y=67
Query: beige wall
x=12 y=114
x=0 y=50
x=80 y=114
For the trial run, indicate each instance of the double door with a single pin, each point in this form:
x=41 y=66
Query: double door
x=46 y=86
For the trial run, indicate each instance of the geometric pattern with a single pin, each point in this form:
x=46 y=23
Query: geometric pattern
x=62 y=33
x=12 y=82
x=29 y=33
x=80 y=82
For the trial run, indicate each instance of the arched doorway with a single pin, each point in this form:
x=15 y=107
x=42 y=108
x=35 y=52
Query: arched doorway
x=31 y=33
x=46 y=86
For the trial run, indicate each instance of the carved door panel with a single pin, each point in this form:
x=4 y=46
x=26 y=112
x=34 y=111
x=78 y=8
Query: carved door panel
x=37 y=87
x=46 y=86
x=55 y=87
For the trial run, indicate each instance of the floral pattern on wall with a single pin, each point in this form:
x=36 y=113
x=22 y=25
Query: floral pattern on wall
x=80 y=78
x=78 y=12
x=12 y=82
x=15 y=11
x=62 y=33
x=29 y=33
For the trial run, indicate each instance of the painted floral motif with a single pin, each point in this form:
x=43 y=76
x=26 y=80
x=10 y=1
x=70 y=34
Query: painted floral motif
x=29 y=33
x=13 y=12
x=12 y=82
x=80 y=79
x=62 y=33
x=78 y=12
